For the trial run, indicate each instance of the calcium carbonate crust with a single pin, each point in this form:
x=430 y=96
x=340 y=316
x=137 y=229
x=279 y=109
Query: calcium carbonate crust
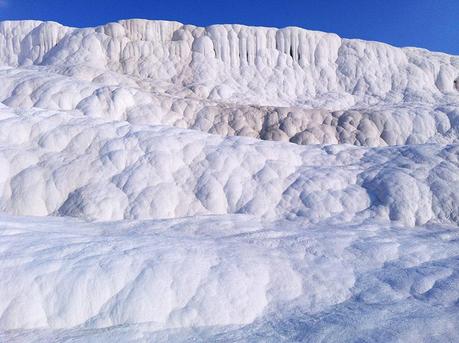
x=186 y=213
x=226 y=278
x=62 y=164
x=287 y=84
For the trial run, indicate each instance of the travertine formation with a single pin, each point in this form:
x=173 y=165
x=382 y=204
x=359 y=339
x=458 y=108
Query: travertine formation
x=203 y=220
x=289 y=84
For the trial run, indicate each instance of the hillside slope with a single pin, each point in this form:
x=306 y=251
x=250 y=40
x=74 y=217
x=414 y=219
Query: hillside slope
x=166 y=182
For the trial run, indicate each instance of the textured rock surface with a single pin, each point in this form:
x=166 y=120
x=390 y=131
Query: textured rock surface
x=194 y=215
x=288 y=84
x=76 y=166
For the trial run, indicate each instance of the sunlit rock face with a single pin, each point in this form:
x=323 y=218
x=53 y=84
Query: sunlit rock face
x=287 y=84
x=225 y=183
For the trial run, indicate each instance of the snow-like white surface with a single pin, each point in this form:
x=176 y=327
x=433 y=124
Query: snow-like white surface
x=227 y=278
x=68 y=165
x=288 y=84
x=189 y=215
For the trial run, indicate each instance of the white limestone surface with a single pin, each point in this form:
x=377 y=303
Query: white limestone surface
x=226 y=278
x=166 y=182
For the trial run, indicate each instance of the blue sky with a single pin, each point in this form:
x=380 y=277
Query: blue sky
x=431 y=24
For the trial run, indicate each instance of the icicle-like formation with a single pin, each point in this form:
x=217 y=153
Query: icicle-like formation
x=252 y=64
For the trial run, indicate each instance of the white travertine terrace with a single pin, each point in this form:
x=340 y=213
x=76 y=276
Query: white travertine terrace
x=289 y=84
x=186 y=211
x=89 y=168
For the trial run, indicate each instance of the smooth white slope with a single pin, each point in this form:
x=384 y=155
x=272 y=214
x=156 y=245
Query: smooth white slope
x=230 y=278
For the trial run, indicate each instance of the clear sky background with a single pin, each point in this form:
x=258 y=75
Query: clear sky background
x=431 y=24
